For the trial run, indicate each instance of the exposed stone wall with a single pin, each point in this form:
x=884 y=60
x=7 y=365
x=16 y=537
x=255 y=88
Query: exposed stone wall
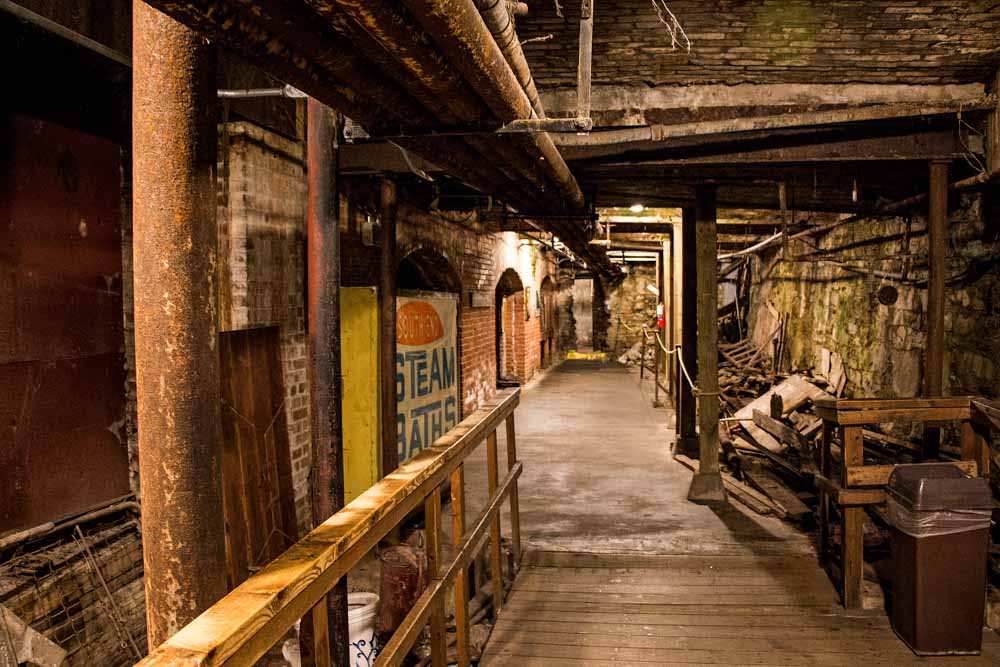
x=567 y=323
x=883 y=345
x=583 y=313
x=601 y=314
x=262 y=208
x=631 y=305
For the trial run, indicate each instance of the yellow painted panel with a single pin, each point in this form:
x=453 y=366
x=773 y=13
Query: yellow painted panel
x=359 y=369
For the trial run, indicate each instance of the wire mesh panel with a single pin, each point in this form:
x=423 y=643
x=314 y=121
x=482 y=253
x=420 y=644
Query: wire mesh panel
x=82 y=588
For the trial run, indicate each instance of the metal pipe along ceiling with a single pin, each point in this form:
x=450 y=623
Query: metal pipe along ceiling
x=374 y=62
x=460 y=33
x=501 y=24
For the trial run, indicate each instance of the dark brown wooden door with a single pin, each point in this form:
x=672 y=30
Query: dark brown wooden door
x=258 y=497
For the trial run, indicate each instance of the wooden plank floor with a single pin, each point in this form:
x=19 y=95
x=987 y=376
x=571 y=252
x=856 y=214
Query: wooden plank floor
x=589 y=609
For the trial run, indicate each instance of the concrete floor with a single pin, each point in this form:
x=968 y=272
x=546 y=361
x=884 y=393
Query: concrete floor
x=599 y=478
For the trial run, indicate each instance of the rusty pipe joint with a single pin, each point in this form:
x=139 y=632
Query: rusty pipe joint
x=499 y=18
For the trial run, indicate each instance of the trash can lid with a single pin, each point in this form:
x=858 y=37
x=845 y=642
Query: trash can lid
x=938 y=486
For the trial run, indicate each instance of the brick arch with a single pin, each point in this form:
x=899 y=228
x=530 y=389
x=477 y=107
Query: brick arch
x=509 y=282
x=424 y=267
x=510 y=330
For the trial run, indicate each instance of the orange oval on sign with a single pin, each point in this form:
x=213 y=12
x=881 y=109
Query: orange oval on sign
x=417 y=323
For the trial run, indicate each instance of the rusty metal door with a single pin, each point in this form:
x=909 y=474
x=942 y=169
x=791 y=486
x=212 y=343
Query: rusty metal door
x=62 y=361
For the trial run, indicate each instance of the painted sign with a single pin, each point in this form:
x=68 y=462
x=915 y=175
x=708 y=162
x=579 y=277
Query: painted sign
x=426 y=369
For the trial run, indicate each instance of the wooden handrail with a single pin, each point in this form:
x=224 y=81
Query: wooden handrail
x=246 y=623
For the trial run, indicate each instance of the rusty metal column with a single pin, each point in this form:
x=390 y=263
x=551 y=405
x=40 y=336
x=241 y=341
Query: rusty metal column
x=387 y=328
x=176 y=356
x=938 y=250
x=706 y=486
x=687 y=436
x=323 y=291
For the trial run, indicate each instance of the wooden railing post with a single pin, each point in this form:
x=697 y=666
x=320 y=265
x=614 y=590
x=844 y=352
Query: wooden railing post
x=642 y=356
x=852 y=556
x=515 y=511
x=320 y=632
x=432 y=528
x=825 y=468
x=496 y=563
x=462 y=578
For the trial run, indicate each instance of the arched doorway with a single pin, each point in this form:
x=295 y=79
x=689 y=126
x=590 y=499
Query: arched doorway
x=510 y=316
x=549 y=324
x=427 y=270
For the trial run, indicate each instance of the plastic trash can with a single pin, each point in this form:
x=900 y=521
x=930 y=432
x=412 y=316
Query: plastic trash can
x=940 y=536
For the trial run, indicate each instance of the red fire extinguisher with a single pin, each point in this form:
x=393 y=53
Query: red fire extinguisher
x=660 y=322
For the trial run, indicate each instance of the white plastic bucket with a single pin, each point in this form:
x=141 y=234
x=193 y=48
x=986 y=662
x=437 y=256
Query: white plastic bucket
x=362 y=608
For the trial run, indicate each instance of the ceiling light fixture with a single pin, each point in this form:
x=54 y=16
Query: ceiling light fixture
x=637 y=208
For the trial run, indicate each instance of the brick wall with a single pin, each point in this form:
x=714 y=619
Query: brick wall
x=262 y=207
x=261 y=218
x=477 y=257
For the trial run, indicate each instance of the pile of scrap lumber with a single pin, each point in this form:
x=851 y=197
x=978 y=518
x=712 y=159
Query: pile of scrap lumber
x=770 y=435
x=770 y=443
x=746 y=370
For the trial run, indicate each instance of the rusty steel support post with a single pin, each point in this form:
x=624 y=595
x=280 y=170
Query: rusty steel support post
x=177 y=357
x=938 y=248
x=706 y=486
x=387 y=327
x=323 y=292
x=687 y=436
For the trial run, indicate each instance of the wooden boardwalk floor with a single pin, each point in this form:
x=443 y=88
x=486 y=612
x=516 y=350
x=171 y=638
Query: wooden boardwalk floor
x=583 y=609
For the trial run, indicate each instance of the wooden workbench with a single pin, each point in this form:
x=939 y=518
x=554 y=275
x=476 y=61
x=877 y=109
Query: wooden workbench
x=854 y=485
